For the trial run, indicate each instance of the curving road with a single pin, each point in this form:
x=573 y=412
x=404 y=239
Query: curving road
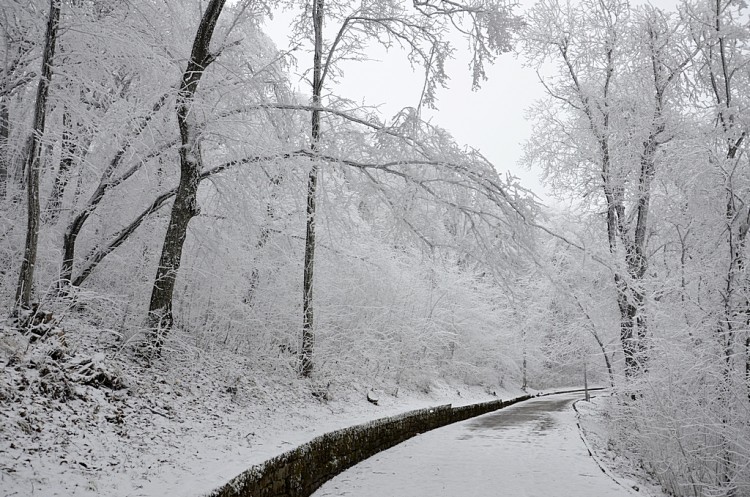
x=531 y=449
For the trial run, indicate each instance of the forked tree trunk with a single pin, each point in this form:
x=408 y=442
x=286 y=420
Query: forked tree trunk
x=625 y=294
x=106 y=183
x=26 y=277
x=308 y=333
x=186 y=203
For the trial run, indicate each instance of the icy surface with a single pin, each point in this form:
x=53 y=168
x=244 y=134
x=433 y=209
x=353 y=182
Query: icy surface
x=532 y=449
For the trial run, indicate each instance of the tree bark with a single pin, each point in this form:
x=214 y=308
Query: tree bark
x=185 y=205
x=4 y=140
x=626 y=296
x=308 y=333
x=26 y=277
x=69 y=151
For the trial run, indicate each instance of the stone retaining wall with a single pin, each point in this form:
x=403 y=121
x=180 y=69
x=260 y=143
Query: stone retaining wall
x=301 y=471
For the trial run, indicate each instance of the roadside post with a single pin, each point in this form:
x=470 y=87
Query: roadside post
x=586 y=381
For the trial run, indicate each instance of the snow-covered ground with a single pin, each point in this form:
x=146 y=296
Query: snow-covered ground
x=529 y=449
x=81 y=416
x=183 y=426
x=592 y=417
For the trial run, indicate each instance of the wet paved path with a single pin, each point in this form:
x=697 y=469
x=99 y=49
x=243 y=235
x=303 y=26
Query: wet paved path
x=531 y=449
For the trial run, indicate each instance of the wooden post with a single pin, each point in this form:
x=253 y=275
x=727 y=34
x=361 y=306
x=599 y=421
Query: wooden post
x=586 y=381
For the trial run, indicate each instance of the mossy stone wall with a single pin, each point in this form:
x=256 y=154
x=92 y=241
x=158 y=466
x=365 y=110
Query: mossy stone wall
x=301 y=471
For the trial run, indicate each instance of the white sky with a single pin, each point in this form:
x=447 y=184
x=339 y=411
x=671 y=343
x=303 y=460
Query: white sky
x=491 y=119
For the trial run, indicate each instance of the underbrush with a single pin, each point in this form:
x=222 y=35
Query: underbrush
x=684 y=426
x=82 y=413
x=692 y=438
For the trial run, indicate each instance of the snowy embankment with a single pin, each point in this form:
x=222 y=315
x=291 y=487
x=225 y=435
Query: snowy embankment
x=180 y=427
x=591 y=417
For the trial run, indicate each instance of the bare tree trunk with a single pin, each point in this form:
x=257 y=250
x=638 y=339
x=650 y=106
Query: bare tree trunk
x=628 y=337
x=308 y=333
x=636 y=258
x=69 y=151
x=186 y=203
x=631 y=299
x=631 y=294
x=26 y=277
x=524 y=380
x=4 y=141
x=616 y=236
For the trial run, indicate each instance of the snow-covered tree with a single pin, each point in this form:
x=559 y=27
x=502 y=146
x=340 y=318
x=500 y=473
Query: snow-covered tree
x=608 y=112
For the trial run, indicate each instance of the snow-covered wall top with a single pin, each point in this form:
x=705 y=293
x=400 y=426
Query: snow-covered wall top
x=301 y=471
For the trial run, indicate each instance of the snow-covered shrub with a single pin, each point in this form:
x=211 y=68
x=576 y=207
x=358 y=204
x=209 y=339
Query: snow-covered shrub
x=688 y=425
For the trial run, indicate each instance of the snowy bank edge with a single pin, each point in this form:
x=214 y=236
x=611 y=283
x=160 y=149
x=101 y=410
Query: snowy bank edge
x=599 y=462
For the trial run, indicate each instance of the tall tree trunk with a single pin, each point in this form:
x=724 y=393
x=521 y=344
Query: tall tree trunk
x=631 y=293
x=308 y=333
x=636 y=259
x=628 y=335
x=615 y=237
x=185 y=205
x=628 y=325
x=69 y=151
x=4 y=141
x=26 y=277
x=735 y=296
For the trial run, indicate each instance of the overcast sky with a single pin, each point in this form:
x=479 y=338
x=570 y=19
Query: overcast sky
x=491 y=119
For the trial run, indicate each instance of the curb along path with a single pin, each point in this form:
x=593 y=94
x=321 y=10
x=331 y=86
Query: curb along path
x=592 y=453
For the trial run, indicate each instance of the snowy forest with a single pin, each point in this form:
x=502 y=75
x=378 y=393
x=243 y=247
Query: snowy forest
x=184 y=201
